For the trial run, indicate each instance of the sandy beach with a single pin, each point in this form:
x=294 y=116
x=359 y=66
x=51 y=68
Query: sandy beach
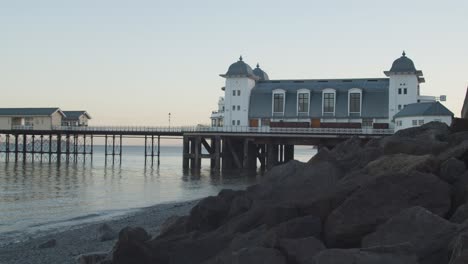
x=77 y=240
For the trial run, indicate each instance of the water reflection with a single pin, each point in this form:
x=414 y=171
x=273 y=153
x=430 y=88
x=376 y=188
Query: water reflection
x=35 y=195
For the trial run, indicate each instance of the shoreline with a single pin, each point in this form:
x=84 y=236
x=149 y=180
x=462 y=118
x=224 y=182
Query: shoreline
x=82 y=238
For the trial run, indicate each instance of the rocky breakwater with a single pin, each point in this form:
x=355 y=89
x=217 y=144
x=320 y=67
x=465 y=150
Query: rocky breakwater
x=400 y=199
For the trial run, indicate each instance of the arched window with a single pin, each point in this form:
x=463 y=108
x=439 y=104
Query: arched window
x=354 y=101
x=278 y=101
x=328 y=101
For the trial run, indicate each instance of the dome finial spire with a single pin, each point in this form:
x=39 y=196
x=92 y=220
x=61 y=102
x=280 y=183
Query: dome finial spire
x=404 y=54
x=240 y=58
x=258 y=65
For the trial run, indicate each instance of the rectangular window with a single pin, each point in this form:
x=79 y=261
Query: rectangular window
x=233 y=122
x=405 y=91
x=238 y=108
x=238 y=122
x=278 y=103
x=354 y=102
x=238 y=92
x=415 y=122
x=421 y=122
x=303 y=103
x=329 y=103
x=399 y=90
x=233 y=108
x=233 y=92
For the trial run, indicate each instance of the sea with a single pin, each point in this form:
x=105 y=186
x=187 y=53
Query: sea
x=38 y=197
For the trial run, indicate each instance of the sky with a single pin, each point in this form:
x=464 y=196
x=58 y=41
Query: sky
x=133 y=62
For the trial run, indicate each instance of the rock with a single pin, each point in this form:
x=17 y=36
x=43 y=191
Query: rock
x=208 y=214
x=460 y=190
x=432 y=131
x=376 y=202
x=458 y=151
x=239 y=205
x=105 y=233
x=401 y=163
x=451 y=170
x=428 y=233
x=48 y=244
x=131 y=247
x=296 y=228
x=92 y=258
x=460 y=250
x=460 y=215
x=258 y=255
x=397 y=254
x=300 y=250
x=412 y=146
x=173 y=226
x=192 y=249
x=275 y=215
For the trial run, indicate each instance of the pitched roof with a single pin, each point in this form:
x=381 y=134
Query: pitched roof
x=29 y=111
x=374 y=97
x=74 y=115
x=424 y=109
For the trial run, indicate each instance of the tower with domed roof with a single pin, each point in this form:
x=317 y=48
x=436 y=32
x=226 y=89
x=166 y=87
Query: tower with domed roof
x=404 y=80
x=240 y=79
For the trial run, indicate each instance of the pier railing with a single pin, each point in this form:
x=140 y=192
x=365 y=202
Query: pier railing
x=227 y=129
x=208 y=129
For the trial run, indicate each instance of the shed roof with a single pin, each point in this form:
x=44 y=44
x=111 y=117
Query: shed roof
x=424 y=109
x=374 y=97
x=29 y=111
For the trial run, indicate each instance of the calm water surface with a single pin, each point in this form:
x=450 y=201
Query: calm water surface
x=37 y=196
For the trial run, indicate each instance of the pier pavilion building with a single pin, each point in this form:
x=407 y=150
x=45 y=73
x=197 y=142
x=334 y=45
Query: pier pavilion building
x=30 y=118
x=76 y=118
x=40 y=118
x=252 y=99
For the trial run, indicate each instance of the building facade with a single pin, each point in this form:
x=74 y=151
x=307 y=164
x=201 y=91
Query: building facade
x=30 y=118
x=252 y=99
x=75 y=118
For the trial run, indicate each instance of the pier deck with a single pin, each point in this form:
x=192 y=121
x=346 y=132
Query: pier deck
x=233 y=147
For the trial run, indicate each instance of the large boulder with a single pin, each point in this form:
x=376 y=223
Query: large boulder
x=428 y=234
x=397 y=254
x=451 y=170
x=460 y=215
x=296 y=228
x=258 y=255
x=401 y=163
x=208 y=214
x=301 y=250
x=131 y=247
x=376 y=202
x=173 y=226
x=460 y=249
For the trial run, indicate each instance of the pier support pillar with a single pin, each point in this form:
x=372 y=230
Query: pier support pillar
x=250 y=155
x=185 y=150
x=288 y=153
x=272 y=155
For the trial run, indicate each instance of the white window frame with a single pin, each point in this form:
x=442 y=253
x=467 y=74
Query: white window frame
x=302 y=91
x=355 y=90
x=278 y=91
x=328 y=90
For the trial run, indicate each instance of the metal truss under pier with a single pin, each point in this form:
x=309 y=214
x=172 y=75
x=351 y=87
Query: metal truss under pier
x=46 y=147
